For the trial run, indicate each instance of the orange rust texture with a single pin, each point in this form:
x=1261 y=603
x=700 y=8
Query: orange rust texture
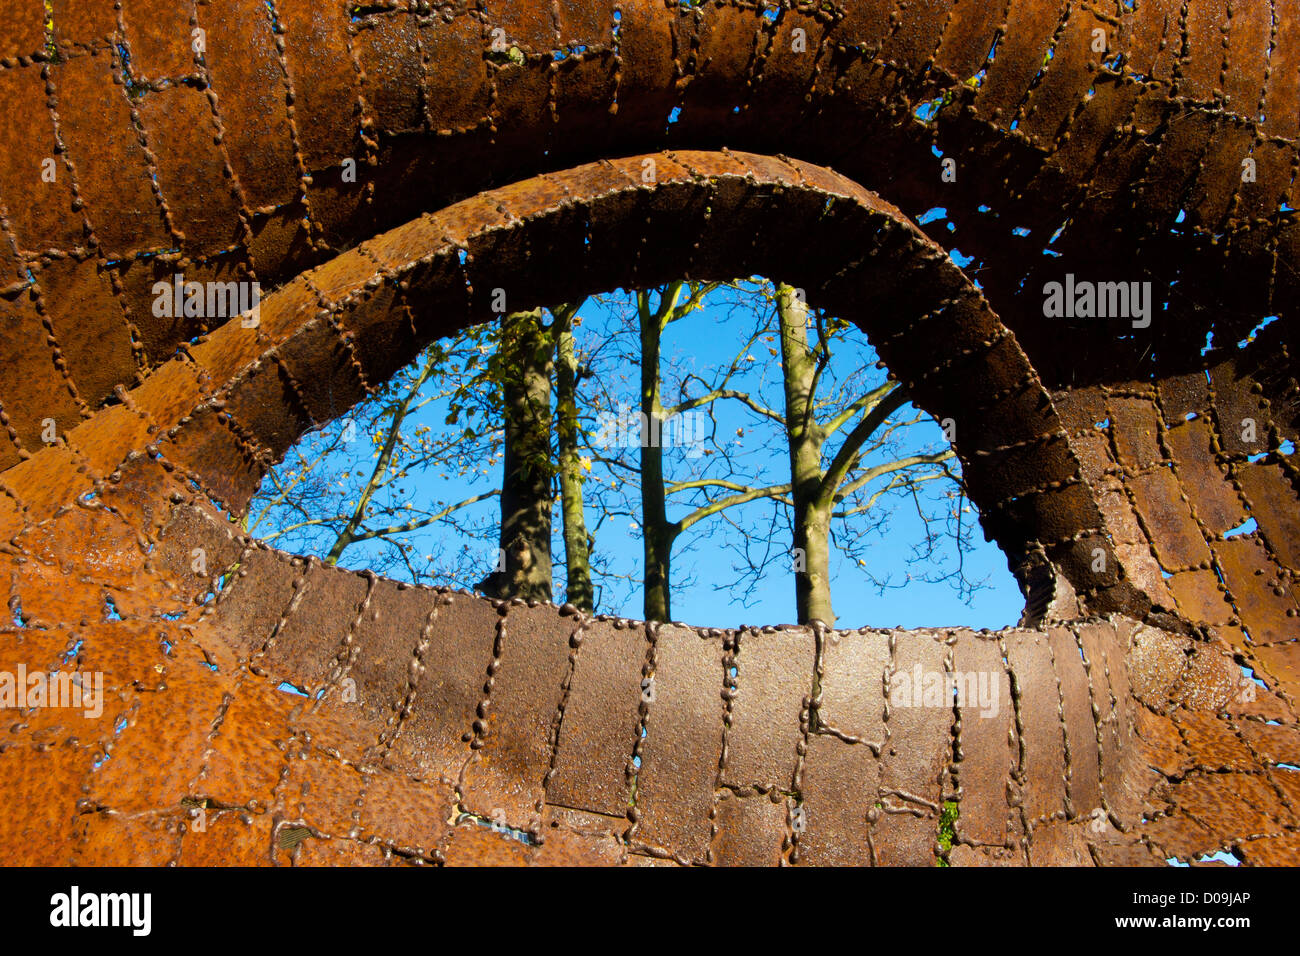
x=443 y=728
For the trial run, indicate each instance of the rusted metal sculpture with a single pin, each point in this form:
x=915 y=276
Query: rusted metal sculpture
x=378 y=169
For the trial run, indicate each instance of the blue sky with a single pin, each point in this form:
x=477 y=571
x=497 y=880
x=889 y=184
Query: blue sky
x=708 y=563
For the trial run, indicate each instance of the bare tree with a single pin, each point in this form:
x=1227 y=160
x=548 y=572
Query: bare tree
x=848 y=440
x=349 y=484
x=816 y=487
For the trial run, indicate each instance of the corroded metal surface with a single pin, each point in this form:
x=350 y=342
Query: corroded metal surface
x=490 y=143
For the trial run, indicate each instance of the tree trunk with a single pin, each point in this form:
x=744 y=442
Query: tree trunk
x=811 y=507
x=813 y=584
x=657 y=536
x=577 y=557
x=658 y=575
x=525 y=358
